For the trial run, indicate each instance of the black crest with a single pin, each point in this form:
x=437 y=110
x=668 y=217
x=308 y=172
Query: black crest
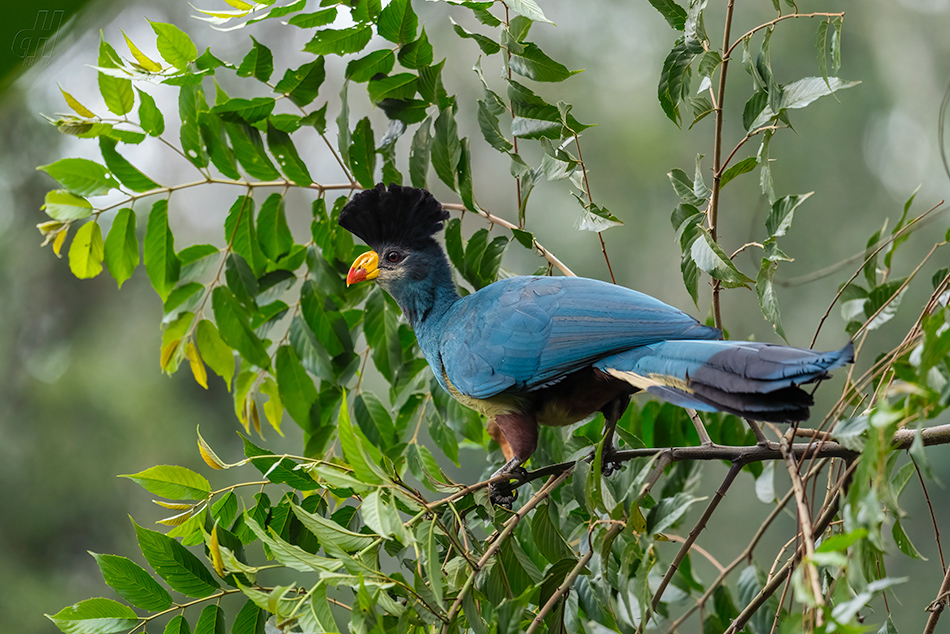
x=399 y=215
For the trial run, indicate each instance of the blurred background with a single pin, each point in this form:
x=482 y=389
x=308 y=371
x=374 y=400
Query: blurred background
x=82 y=398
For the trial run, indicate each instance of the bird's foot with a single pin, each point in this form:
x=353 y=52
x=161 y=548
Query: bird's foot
x=609 y=464
x=503 y=493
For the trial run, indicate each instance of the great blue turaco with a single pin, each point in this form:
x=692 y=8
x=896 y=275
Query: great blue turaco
x=535 y=350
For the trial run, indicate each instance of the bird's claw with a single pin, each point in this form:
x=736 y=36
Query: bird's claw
x=608 y=461
x=503 y=493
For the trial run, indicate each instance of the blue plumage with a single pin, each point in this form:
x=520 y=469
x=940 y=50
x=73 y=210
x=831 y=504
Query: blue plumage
x=534 y=350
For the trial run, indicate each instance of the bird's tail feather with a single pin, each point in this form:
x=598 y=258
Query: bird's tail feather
x=754 y=380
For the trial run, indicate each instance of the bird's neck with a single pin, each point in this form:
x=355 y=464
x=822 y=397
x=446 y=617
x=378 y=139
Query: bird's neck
x=424 y=301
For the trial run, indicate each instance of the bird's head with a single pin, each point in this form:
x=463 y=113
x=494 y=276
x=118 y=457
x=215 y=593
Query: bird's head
x=398 y=224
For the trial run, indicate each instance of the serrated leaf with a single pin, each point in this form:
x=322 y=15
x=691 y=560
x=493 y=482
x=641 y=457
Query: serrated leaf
x=419 y=152
x=95 y=616
x=240 y=110
x=175 y=564
x=398 y=22
x=133 y=583
x=339 y=41
x=711 y=259
x=446 y=148
x=738 y=169
x=241 y=234
x=533 y=63
x=249 y=150
x=191 y=103
x=801 y=93
x=303 y=84
x=674 y=14
x=288 y=554
x=174 y=45
x=177 y=625
x=315 y=19
x=768 y=301
x=362 y=154
x=416 y=54
x=375 y=63
x=161 y=262
x=211 y=620
x=782 y=213
x=357 y=450
x=674 y=78
x=328 y=531
x=529 y=9
x=172 y=482
x=258 y=63
x=81 y=176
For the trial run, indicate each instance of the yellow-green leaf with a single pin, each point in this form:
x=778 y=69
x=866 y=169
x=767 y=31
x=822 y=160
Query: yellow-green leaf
x=77 y=107
x=217 y=354
x=172 y=482
x=140 y=57
x=197 y=367
x=86 y=251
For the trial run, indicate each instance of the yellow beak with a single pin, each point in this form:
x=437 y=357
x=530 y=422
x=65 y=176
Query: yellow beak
x=366 y=267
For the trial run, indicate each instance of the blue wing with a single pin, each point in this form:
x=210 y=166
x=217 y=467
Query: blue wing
x=527 y=332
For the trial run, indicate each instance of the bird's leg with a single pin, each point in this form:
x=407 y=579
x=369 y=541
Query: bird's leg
x=612 y=413
x=517 y=435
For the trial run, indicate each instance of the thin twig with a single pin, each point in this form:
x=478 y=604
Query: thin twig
x=937 y=606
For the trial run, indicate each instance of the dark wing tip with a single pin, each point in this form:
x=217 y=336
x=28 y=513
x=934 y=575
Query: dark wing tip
x=393 y=215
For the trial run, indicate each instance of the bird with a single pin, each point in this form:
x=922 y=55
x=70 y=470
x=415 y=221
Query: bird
x=535 y=350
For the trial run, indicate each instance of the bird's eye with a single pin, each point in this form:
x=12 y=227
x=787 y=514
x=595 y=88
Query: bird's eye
x=393 y=256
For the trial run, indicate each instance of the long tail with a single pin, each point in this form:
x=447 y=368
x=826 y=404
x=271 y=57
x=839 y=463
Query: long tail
x=754 y=380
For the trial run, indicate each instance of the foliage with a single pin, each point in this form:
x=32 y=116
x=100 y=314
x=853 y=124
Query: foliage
x=267 y=311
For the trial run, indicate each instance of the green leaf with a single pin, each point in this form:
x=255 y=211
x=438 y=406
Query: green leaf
x=282 y=147
x=217 y=354
x=211 y=620
x=446 y=148
x=244 y=110
x=401 y=86
x=903 y=542
x=174 y=563
x=191 y=102
x=235 y=329
x=398 y=22
x=272 y=229
x=427 y=537
x=116 y=91
x=303 y=84
x=132 y=583
x=161 y=262
x=365 y=68
x=297 y=391
x=768 y=301
x=177 y=625
x=81 y=176
x=315 y=19
x=534 y=118
x=674 y=14
x=374 y=420
x=416 y=54
x=529 y=9
x=339 y=41
x=738 y=169
x=249 y=150
x=174 y=483
x=674 y=78
x=86 y=251
x=150 y=117
x=547 y=537
x=249 y=620
x=95 y=616
x=419 y=152
x=711 y=259
x=128 y=174
x=61 y=205
x=258 y=63
x=358 y=452
x=800 y=94
x=212 y=134
x=485 y=43
x=782 y=213
x=363 y=154
x=122 y=247
x=174 y=45
x=531 y=62
x=491 y=130
x=329 y=532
